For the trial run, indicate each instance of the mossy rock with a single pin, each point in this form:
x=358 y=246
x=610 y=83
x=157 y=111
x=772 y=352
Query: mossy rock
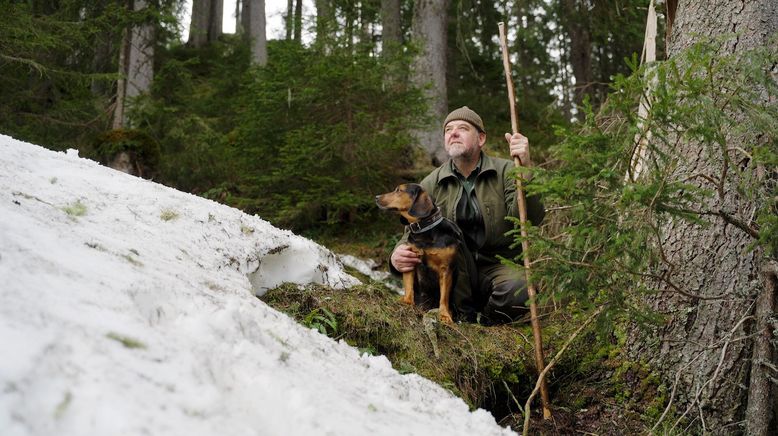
x=137 y=146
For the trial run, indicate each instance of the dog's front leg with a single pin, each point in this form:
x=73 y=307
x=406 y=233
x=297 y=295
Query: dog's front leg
x=445 y=291
x=408 y=287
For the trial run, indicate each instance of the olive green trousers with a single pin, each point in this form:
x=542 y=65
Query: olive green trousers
x=498 y=292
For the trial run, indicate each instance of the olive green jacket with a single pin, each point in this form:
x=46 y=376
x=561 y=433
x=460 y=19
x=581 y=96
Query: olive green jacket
x=495 y=190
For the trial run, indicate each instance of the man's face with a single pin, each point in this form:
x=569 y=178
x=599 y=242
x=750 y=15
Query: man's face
x=463 y=139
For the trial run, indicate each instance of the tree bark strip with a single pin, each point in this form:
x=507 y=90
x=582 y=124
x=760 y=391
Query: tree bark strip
x=713 y=260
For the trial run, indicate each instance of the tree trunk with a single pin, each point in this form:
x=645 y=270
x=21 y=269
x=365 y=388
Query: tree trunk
x=257 y=33
x=580 y=52
x=238 y=12
x=298 y=21
x=429 y=29
x=707 y=348
x=136 y=66
x=206 y=24
x=325 y=23
x=245 y=16
x=121 y=88
x=140 y=62
x=760 y=410
x=391 y=40
x=215 y=20
x=198 y=27
x=288 y=19
x=391 y=34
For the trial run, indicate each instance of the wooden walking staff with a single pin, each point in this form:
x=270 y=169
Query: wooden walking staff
x=522 y=201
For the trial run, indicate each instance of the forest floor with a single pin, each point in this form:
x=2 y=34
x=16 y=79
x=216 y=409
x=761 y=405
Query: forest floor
x=592 y=389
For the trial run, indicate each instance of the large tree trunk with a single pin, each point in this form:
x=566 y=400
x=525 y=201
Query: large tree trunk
x=429 y=30
x=298 y=21
x=325 y=23
x=206 y=24
x=216 y=20
x=136 y=66
x=391 y=33
x=140 y=61
x=708 y=349
x=577 y=29
x=255 y=25
x=288 y=19
x=198 y=26
x=391 y=39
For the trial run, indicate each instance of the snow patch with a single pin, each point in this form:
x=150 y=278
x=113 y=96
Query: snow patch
x=127 y=307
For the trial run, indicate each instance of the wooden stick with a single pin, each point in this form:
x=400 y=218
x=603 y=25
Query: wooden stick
x=522 y=201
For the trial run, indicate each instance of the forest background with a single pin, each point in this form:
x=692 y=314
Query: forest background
x=675 y=262
x=308 y=134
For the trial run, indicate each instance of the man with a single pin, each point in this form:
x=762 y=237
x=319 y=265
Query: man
x=477 y=191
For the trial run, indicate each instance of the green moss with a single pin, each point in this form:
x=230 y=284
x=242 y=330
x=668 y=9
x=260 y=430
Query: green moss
x=474 y=361
x=489 y=367
x=168 y=215
x=126 y=340
x=109 y=144
x=75 y=209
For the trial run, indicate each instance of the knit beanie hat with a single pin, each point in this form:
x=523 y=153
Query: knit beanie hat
x=466 y=114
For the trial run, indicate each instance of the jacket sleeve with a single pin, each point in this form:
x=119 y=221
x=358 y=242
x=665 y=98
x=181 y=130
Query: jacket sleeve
x=403 y=240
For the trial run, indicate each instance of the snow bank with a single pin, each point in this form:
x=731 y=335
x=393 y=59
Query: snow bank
x=128 y=308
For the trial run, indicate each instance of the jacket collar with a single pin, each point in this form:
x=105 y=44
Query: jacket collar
x=487 y=164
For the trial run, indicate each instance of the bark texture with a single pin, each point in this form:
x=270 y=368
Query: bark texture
x=136 y=66
x=391 y=40
x=706 y=350
x=577 y=30
x=298 y=21
x=325 y=22
x=257 y=31
x=429 y=30
x=140 y=61
x=206 y=24
x=215 y=20
x=391 y=34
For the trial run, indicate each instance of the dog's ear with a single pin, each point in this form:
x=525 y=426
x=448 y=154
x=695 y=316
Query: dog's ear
x=422 y=204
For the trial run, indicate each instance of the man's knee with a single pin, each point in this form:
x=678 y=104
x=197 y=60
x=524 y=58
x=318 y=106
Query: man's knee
x=507 y=301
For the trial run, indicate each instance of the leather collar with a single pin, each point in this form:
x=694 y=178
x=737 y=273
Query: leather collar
x=427 y=223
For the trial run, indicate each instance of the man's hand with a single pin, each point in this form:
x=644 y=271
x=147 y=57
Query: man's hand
x=519 y=148
x=404 y=259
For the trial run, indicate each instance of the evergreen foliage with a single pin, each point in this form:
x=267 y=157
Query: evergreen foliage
x=191 y=111
x=44 y=66
x=306 y=141
x=58 y=66
x=605 y=246
x=318 y=135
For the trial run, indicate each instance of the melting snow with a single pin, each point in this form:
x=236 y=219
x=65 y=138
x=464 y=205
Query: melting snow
x=127 y=307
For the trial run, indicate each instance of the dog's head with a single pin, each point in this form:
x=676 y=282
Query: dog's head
x=410 y=200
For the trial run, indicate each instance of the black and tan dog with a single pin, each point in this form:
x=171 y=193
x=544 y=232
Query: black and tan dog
x=434 y=238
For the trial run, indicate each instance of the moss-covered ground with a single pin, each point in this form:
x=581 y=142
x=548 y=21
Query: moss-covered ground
x=592 y=390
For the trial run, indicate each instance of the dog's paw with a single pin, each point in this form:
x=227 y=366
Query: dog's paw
x=406 y=300
x=446 y=317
